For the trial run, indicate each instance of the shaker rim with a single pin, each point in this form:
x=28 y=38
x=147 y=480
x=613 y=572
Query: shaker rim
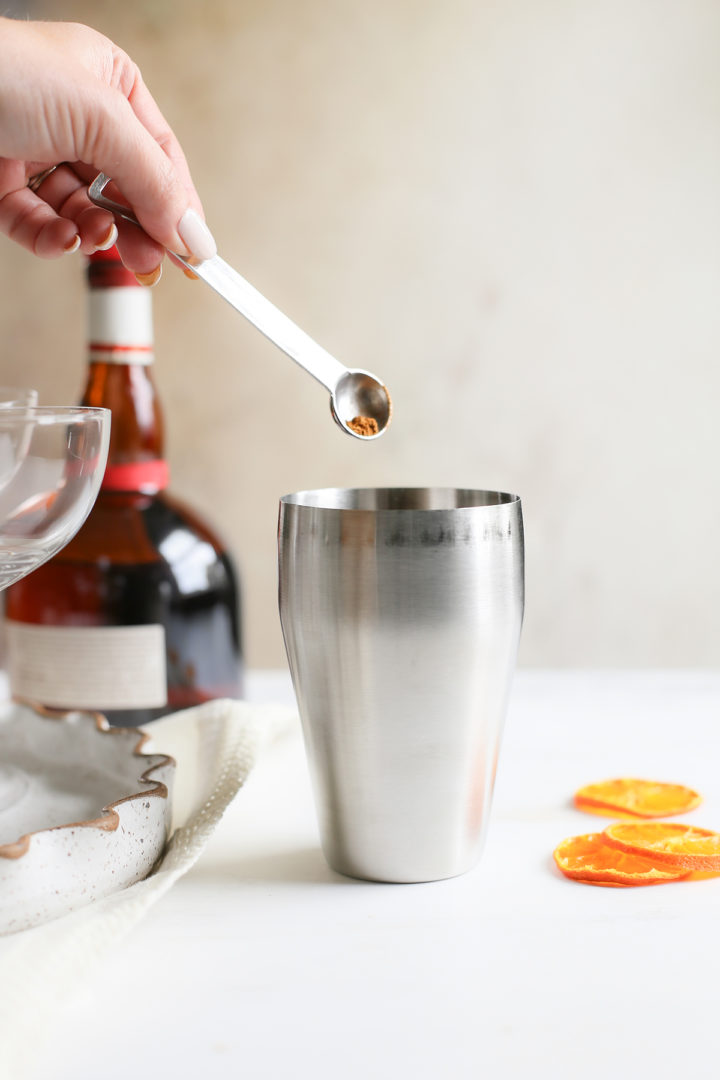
x=399 y=499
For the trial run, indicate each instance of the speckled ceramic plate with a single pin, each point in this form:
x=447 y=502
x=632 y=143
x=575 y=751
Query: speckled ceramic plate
x=83 y=812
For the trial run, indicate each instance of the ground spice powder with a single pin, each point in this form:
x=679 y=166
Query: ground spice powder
x=364 y=425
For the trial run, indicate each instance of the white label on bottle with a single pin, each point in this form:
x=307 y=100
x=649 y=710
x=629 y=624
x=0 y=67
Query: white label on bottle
x=87 y=667
x=120 y=328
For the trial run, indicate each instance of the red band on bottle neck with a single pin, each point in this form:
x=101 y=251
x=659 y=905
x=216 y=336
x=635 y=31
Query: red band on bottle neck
x=113 y=347
x=146 y=477
x=129 y=355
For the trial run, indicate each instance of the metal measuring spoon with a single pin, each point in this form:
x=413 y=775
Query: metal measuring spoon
x=359 y=401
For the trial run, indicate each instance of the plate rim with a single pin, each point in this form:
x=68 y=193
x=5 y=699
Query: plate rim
x=109 y=818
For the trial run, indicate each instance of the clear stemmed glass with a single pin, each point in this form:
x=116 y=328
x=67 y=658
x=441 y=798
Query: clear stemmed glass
x=52 y=462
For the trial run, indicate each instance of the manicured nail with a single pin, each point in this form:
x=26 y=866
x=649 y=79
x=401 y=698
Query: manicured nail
x=196 y=236
x=189 y=274
x=72 y=245
x=152 y=278
x=110 y=238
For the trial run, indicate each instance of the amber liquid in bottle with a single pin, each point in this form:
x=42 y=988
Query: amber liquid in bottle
x=142 y=564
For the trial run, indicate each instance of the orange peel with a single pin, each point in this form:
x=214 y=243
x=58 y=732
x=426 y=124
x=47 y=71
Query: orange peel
x=667 y=843
x=638 y=798
x=591 y=860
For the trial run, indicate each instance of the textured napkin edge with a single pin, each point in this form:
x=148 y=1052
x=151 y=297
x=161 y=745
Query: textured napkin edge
x=40 y=971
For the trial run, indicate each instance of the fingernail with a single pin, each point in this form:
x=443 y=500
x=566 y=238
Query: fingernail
x=110 y=238
x=72 y=245
x=189 y=274
x=196 y=236
x=152 y=278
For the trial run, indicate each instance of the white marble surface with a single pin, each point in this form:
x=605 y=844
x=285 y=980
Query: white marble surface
x=262 y=963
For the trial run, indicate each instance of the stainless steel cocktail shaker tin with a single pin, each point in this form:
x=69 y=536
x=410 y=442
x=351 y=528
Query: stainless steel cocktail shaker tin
x=401 y=610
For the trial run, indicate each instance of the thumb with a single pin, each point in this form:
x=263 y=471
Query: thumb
x=117 y=143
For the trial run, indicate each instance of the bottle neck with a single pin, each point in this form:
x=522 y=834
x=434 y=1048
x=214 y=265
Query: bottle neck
x=120 y=325
x=119 y=378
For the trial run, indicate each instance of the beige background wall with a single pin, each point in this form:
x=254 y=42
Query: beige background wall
x=511 y=211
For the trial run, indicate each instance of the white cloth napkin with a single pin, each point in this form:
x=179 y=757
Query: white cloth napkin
x=215 y=747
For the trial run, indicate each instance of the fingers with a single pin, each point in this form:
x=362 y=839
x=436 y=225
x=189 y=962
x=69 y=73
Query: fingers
x=138 y=251
x=56 y=217
x=28 y=220
x=66 y=193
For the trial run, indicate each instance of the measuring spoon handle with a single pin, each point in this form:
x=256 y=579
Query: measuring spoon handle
x=246 y=299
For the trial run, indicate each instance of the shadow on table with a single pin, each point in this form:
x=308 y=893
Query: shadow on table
x=296 y=866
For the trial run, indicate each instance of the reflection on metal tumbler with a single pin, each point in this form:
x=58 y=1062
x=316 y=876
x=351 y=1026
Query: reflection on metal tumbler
x=401 y=610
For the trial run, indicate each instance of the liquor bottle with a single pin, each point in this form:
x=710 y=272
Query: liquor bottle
x=139 y=615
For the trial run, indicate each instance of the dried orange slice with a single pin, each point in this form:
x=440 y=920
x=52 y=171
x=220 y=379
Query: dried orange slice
x=641 y=798
x=667 y=844
x=590 y=859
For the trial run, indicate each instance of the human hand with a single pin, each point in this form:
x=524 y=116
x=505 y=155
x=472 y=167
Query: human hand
x=72 y=104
